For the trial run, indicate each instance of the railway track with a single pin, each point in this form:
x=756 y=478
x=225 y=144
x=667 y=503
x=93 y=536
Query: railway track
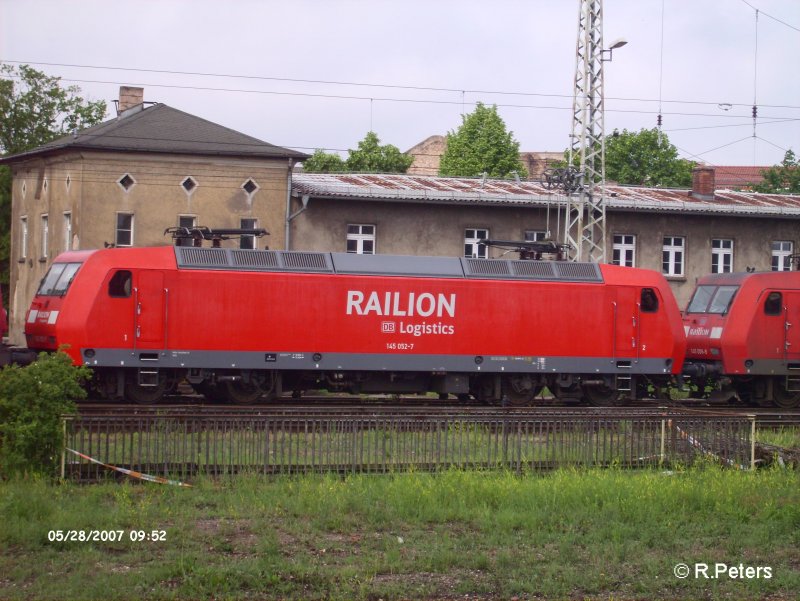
x=323 y=407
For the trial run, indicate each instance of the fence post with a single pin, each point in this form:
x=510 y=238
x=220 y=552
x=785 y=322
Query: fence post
x=752 y=441
x=63 y=447
x=663 y=436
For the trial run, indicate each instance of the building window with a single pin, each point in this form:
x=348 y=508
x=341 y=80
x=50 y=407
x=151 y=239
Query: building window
x=782 y=255
x=188 y=222
x=189 y=184
x=535 y=235
x=23 y=237
x=126 y=182
x=45 y=235
x=472 y=247
x=361 y=239
x=246 y=241
x=624 y=250
x=250 y=187
x=67 y=231
x=124 y=234
x=68 y=181
x=672 y=256
x=721 y=256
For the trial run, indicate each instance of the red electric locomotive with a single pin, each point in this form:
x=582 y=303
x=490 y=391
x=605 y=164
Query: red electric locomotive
x=240 y=324
x=743 y=332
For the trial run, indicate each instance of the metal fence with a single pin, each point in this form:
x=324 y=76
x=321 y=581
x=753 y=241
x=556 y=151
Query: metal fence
x=178 y=445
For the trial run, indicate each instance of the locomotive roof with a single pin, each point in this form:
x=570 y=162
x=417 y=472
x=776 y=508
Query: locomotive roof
x=388 y=265
x=774 y=279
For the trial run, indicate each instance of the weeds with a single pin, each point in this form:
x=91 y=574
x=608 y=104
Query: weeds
x=568 y=534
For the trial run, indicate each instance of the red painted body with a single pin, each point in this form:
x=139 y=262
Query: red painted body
x=376 y=321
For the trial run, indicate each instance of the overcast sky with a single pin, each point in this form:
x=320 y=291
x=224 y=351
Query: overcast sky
x=717 y=58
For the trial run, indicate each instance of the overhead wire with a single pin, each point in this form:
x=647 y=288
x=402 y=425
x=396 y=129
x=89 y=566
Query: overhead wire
x=401 y=100
x=460 y=91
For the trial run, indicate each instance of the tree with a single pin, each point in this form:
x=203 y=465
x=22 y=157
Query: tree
x=370 y=157
x=34 y=110
x=324 y=162
x=783 y=178
x=645 y=158
x=481 y=145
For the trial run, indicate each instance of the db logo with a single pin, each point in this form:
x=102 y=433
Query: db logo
x=387 y=327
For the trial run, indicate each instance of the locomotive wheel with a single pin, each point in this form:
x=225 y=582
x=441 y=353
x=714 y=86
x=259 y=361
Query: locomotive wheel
x=785 y=399
x=520 y=389
x=144 y=395
x=604 y=396
x=242 y=393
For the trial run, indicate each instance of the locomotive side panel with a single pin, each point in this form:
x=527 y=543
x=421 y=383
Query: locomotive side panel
x=385 y=323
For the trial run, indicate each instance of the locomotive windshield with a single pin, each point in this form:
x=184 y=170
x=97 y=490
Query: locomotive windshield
x=58 y=279
x=712 y=299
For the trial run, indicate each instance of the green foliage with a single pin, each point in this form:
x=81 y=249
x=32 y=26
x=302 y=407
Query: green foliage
x=34 y=109
x=370 y=157
x=645 y=158
x=783 y=178
x=32 y=400
x=324 y=162
x=481 y=145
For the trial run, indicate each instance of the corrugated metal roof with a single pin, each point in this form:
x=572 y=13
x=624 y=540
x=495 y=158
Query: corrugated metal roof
x=161 y=128
x=436 y=190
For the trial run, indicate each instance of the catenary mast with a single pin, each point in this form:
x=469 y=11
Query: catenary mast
x=585 y=226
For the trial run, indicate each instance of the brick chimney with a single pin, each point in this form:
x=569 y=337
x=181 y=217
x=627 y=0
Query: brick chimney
x=129 y=97
x=703 y=183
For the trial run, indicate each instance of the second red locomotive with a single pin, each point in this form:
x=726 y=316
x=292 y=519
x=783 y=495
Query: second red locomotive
x=743 y=333
x=240 y=324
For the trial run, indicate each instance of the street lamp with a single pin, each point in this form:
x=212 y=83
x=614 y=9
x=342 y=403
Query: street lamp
x=616 y=44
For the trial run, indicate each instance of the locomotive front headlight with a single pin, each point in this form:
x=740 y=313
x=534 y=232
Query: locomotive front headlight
x=89 y=353
x=748 y=364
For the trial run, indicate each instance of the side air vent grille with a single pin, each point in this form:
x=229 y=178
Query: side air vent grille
x=578 y=272
x=503 y=269
x=252 y=260
x=201 y=257
x=487 y=267
x=306 y=261
x=255 y=258
x=541 y=270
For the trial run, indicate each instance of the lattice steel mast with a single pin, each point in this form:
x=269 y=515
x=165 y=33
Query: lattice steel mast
x=585 y=226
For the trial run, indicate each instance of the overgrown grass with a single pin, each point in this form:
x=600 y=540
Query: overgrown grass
x=569 y=534
x=786 y=437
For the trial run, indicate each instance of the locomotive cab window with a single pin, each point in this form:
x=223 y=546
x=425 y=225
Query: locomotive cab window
x=648 y=301
x=712 y=299
x=119 y=286
x=58 y=279
x=774 y=304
